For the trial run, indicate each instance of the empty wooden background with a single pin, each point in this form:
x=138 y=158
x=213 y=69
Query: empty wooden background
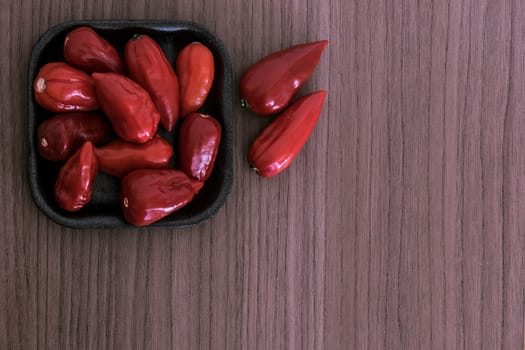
x=400 y=226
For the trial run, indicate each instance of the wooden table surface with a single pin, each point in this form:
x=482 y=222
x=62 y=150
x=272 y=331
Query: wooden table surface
x=399 y=226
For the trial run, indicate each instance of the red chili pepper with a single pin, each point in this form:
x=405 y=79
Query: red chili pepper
x=119 y=157
x=85 y=49
x=148 y=195
x=280 y=142
x=269 y=85
x=58 y=87
x=128 y=106
x=199 y=139
x=149 y=67
x=74 y=185
x=195 y=69
x=60 y=136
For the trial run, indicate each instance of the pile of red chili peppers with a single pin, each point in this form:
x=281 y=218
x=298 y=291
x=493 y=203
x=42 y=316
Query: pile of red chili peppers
x=94 y=93
x=268 y=87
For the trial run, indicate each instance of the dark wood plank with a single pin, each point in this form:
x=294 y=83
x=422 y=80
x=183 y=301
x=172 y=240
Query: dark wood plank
x=399 y=226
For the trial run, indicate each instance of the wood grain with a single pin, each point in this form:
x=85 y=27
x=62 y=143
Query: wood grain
x=400 y=225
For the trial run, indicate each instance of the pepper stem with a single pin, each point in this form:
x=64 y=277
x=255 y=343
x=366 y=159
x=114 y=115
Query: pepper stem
x=40 y=84
x=245 y=104
x=135 y=37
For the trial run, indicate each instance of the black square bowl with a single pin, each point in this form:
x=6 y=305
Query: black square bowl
x=103 y=211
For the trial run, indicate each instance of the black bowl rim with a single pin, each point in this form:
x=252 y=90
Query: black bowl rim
x=111 y=221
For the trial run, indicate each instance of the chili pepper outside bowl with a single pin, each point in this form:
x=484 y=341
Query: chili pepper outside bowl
x=104 y=211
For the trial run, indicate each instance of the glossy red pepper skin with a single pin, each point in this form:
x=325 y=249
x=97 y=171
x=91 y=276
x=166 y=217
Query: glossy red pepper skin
x=58 y=87
x=74 y=185
x=119 y=157
x=60 y=136
x=199 y=139
x=149 y=67
x=279 y=143
x=148 y=195
x=195 y=69
x=85 y=49
x=269 y=85
x=128 y=107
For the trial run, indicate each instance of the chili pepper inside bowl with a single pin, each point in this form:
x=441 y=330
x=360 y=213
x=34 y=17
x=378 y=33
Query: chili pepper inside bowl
x=104 y=208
